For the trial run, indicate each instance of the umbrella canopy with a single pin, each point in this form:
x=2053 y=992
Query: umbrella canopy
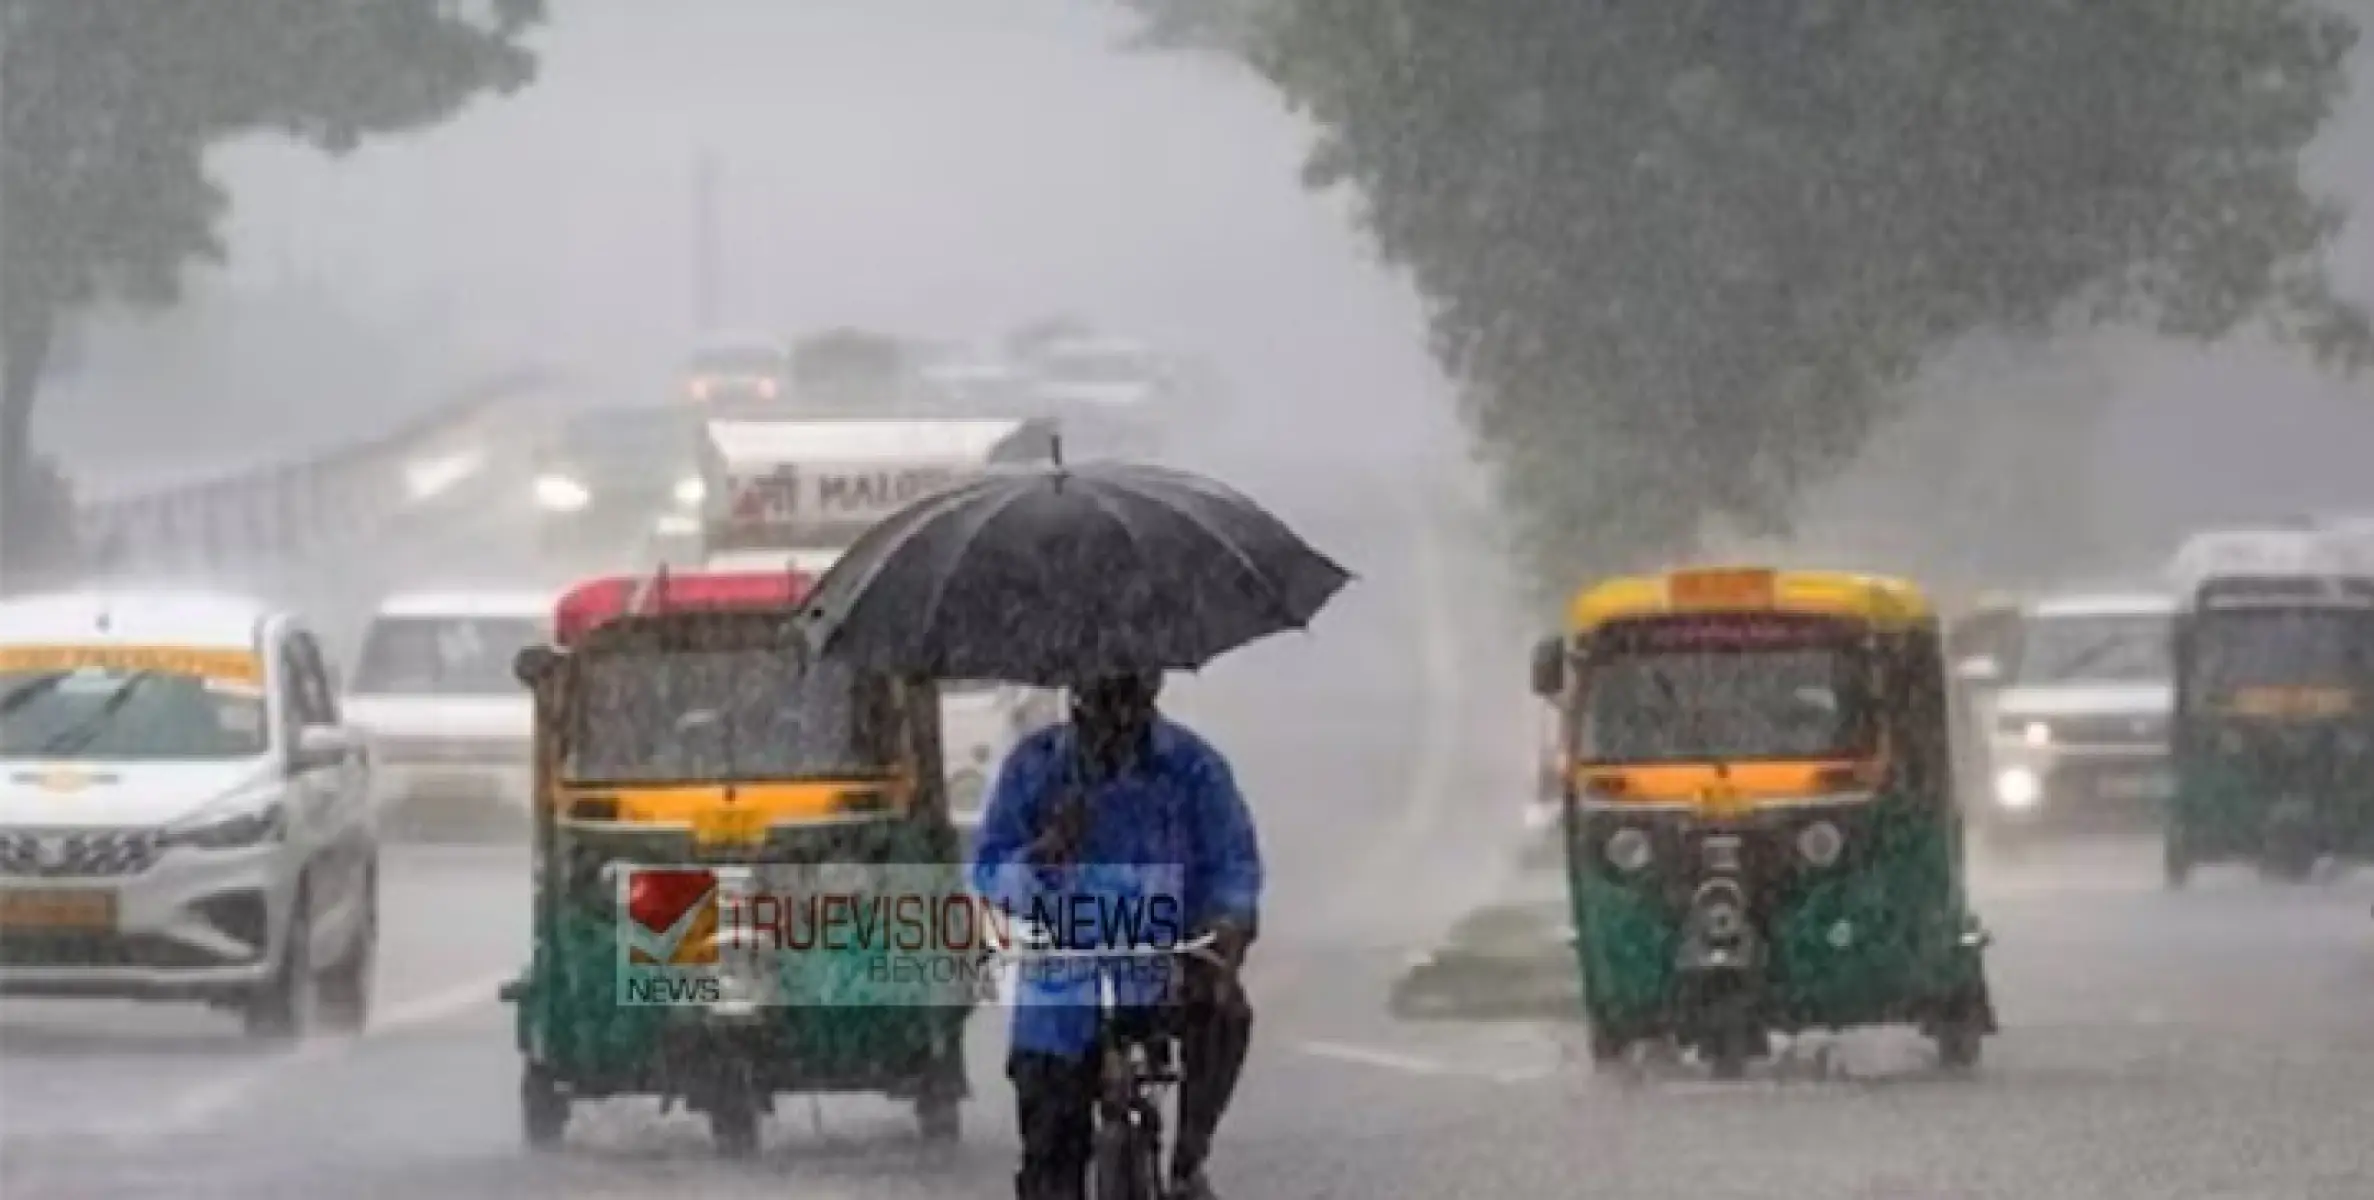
x=1050 y=576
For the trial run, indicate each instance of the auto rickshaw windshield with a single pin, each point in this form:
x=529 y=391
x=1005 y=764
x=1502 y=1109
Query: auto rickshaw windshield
x=1724 y=704
x=683 y=714
x=2251 y=648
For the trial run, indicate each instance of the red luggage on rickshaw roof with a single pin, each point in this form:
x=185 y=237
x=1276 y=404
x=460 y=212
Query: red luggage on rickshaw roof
x=591 y=604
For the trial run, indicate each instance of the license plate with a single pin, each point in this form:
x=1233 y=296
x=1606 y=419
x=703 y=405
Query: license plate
x=2135 y=787
x=79 y=910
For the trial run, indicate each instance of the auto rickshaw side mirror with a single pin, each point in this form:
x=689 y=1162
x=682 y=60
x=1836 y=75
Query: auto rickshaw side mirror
x=534 y=664
x=1549 y=667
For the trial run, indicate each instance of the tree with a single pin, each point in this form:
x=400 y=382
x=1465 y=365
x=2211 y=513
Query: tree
x=850 y=362
x=107 y=110
x=1683 y=256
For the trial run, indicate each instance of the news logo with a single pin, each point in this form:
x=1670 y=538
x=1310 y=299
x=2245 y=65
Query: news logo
x=670 y=917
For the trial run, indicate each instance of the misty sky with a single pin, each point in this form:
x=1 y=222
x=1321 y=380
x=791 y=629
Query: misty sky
x=939 y=166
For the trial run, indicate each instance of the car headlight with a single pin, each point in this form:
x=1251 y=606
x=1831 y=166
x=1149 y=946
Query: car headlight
x=561 y=493
x=216 y=830
x=691 y=491
x=2018 y=789
x=2037 y=733
x=1629 y=849
x=1821 y=843
x=965 y=788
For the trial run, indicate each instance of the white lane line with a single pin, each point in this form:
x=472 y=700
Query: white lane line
x=195 y=1110
x=1369 y=1056
x=1412 y=1064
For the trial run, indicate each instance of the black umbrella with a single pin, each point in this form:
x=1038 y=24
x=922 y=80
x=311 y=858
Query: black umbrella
x=1049 y=576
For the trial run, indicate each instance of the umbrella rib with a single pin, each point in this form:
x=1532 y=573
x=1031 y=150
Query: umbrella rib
x=1277 y=595
x=988 y=512
x=943 y=504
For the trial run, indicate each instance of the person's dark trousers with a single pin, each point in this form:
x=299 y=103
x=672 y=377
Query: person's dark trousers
x=1056 y=1097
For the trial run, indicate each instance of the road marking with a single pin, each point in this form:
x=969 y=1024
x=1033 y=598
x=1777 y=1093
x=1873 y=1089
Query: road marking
x=1412 y=1064
x=1408 y=1064
x=193 y=1111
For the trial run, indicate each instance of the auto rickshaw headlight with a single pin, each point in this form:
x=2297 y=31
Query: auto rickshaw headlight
x=1821 y=843
x=1629 y=849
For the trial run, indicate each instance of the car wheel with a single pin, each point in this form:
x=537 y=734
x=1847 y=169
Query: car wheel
x=543 y=1109
x=282 y=1009
x=346 y=988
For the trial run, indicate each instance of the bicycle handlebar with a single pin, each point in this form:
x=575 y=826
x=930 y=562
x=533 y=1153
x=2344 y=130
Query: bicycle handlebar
x=1034 y=946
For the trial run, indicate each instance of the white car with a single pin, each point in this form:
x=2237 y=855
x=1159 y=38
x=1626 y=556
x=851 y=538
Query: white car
x=2078 y=719
x=182 y=814
x=979 y=723
x=450 y=727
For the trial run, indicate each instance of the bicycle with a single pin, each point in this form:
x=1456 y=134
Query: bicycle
x=1139 y=1062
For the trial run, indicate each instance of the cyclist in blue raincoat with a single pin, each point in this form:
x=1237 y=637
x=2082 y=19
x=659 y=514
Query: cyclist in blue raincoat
x=1117 y=807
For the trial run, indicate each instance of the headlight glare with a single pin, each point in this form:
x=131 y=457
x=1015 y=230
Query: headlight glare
x=560 y=493
x=2018 y=789
x=2037 y=733
x=691 y=491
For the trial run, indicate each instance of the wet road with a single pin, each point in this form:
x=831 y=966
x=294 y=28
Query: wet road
x=2213 y=1043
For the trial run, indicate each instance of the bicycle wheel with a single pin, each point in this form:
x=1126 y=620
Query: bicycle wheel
x=1128 y=1162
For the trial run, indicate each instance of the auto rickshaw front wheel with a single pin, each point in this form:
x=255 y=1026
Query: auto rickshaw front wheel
x=733 y=1116
x=543 y=1108
x=941 y=1119
x=1958 y=1044
x=2176 y=861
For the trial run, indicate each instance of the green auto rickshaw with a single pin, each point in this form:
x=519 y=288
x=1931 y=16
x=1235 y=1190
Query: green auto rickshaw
x=1761 y=832
x=688 y=750
x=2273 y=737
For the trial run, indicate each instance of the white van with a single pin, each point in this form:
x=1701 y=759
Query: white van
x=451 y=729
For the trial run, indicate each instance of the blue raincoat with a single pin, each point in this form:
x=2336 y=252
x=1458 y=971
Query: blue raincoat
x=1173 y=825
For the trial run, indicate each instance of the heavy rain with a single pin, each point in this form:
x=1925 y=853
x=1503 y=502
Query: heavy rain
x=1789 y=612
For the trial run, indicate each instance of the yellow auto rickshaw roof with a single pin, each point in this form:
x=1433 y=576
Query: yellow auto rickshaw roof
x=1875 y=599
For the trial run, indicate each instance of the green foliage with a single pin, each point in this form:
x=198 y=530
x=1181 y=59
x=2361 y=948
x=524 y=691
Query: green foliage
x=111 y=105
x=1684 y=255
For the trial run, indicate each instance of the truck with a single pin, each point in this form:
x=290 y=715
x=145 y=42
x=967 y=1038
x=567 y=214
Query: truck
x=791 y=493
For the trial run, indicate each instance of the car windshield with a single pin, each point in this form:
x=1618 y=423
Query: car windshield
x=444 y=656
x=96 y=714
x=1671 y=706
x=685 y=714
x=2112 y=648
x=2232 y=651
